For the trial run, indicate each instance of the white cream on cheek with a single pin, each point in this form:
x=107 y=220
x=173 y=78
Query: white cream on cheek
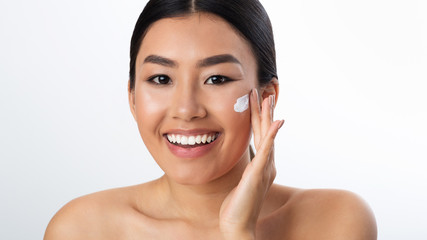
x=242 y=103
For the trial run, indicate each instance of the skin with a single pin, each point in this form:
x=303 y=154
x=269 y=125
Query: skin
x=221 y=194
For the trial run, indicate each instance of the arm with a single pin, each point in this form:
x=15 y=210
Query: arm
x=61 y=225
x=78 y=219
x=351 y=218
x=333 y=215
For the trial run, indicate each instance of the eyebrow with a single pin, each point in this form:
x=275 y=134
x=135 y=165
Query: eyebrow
x=217 y=59
x=160 y=60
x=207 y=62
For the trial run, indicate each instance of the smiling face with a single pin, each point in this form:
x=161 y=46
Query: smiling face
x=189 y=73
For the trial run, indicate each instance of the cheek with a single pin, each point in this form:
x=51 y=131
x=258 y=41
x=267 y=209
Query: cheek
x=235 y=112
x=234 y=122
x=149 y=107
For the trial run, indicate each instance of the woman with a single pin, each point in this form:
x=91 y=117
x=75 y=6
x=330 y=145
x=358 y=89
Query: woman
x=202 y=79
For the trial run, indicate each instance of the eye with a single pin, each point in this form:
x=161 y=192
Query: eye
x=217 y=79
x=160 y=80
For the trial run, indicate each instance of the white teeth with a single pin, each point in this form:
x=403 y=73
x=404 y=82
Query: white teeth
x=191 y=140
x=184 y=140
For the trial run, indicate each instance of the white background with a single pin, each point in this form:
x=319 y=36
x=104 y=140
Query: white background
x=353 y=93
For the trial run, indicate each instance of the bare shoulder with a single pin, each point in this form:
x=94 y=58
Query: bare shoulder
x=321 y=214
x=329 y=214
x=92 y=216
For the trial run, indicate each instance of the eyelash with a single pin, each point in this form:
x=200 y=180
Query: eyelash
x=223 y=80
x=153 y=81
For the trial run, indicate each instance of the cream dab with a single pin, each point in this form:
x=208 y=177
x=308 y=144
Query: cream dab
x=242 y=103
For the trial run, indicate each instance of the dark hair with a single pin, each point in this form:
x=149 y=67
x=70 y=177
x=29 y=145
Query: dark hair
x=247 y=16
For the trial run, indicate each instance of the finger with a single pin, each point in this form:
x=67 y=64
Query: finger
x=266 y=116
x=255 y=116
x=271 y=164
x=265 y=153
x=273 y=105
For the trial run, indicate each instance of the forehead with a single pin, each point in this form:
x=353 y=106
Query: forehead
x=195 y=37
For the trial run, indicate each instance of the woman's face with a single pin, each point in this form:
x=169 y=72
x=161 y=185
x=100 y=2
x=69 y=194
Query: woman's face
x=189 y=73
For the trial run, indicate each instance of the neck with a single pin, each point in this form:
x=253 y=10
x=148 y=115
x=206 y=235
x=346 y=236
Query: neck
x=202 y=203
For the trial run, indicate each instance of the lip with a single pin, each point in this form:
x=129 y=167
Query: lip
x=190 y=132
x=190 y=152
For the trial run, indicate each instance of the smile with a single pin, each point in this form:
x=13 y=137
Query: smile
x=191 y=140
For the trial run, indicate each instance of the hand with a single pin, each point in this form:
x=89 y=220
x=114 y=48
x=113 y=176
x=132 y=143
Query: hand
x=240 y=209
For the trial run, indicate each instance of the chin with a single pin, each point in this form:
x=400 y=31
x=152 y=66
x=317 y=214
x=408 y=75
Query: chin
x=201 y=175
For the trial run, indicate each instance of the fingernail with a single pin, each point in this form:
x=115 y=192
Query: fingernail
x=255 y=94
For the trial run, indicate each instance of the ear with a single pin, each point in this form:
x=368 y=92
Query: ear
x=271 y=88
x=131 y=96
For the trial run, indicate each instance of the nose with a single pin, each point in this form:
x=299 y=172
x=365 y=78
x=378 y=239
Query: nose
x=187 y=103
